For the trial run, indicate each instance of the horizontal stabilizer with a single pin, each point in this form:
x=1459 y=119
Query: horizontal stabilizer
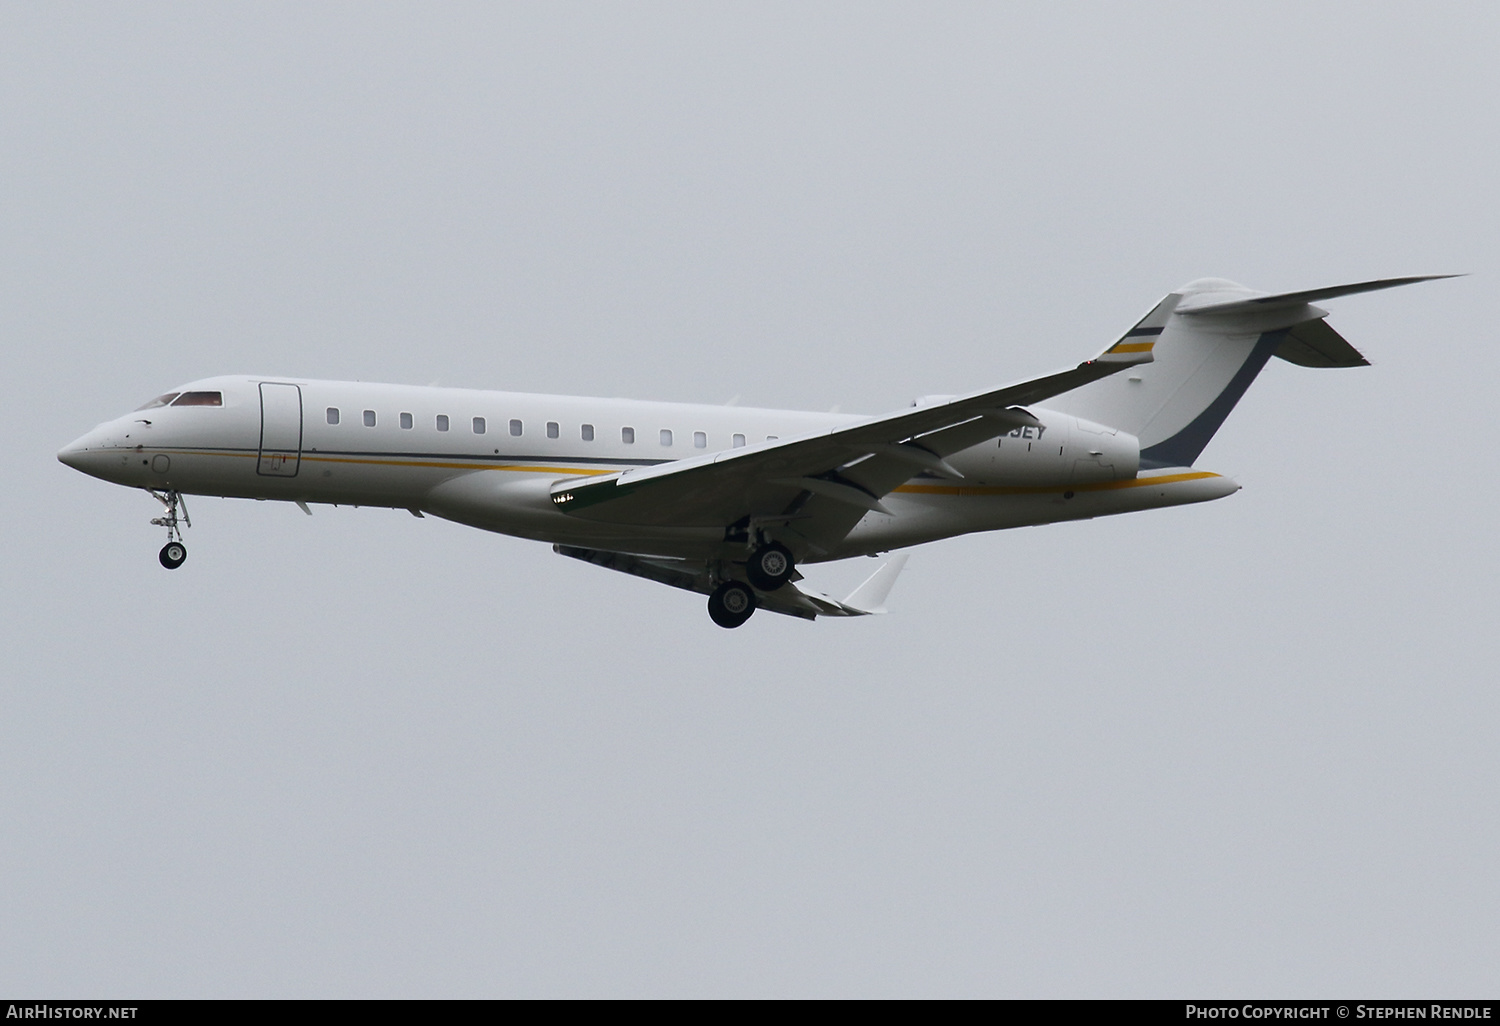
x=1210 y=346
x=1316 y=344
x=1214 y=303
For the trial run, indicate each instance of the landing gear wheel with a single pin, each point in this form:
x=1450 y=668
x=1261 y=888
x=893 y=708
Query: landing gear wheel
x=770 y=567
x=731 y=604
x=173 y=554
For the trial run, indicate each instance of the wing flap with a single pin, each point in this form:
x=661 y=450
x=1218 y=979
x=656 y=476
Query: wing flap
x=675 y=573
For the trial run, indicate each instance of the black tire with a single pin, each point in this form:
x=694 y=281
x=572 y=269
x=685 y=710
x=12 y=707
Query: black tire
x=172 y=555
x=770 y=566
x=731 y=604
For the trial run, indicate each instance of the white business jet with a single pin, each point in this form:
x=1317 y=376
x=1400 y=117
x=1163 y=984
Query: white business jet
x=728 y=501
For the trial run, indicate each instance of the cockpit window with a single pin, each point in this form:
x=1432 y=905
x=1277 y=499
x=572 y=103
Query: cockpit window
x=200 y=399
x=160 y=400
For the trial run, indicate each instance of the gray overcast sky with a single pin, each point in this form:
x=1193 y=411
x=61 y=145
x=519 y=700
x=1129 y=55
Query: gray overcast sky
x=1245 y=748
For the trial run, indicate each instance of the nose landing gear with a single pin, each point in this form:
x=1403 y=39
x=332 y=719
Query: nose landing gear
x=174 y=553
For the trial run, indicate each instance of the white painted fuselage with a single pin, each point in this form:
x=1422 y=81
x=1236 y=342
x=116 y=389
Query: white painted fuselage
x=492 y=459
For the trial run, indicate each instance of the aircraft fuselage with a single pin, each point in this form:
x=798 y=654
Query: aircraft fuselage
x=491 y=459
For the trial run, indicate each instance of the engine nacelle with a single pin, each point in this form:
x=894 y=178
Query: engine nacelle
x=1057 y=450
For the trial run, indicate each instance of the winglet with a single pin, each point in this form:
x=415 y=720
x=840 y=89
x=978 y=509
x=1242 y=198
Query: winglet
x=870 y=597
x=1136 y=344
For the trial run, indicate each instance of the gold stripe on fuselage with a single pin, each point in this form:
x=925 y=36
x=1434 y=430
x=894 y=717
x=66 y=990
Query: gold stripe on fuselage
x=474 y=464
x=908 y=489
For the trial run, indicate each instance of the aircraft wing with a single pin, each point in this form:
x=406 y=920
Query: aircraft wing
x=689 y=575
x=820 y=485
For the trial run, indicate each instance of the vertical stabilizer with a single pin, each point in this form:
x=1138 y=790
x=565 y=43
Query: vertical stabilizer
x=1212 y=337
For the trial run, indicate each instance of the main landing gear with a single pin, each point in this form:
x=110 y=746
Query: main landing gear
x=174 y=553
x=770 y=566
x=731 y=604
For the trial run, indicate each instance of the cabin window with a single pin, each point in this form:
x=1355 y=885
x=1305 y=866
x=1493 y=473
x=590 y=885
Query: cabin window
x=739 y=440
x=479 y=425
x=700 y=440
x=515 y=428
x=199 y=399
x=333 y=414
x=666 y=436
x=588 y=432
x=627 y=435
x=406 y=421
x=369 y=418
x=160 y=400
x=770 y=438
x=442 y=422
x=551 y=429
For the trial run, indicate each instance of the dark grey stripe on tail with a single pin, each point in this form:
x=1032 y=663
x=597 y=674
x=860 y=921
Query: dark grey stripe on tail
x=1185 y=446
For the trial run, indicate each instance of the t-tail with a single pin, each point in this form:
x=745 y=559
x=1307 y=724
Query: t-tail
x=1208 y=341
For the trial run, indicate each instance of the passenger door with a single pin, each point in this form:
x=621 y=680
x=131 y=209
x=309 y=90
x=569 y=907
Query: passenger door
x=280 y=430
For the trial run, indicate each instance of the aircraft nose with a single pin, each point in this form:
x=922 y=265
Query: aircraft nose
x=74 y=453
x=90 y=453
